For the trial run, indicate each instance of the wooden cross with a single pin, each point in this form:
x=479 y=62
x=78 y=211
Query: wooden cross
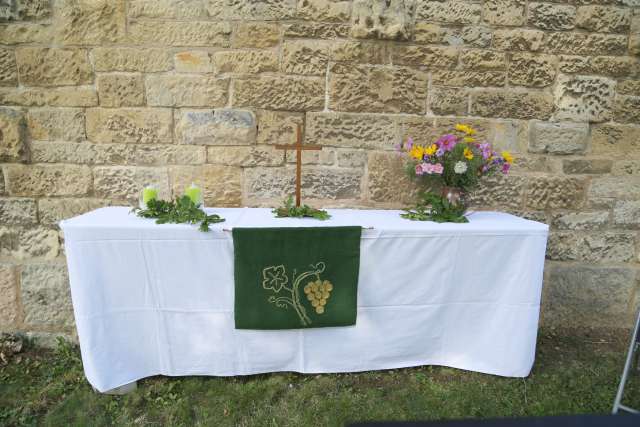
x=299 y=147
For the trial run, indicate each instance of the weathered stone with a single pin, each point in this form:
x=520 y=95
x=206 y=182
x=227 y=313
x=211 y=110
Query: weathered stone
x=325 y=157
x=278 y=127
x=350 y=130
x=216 y=127
x=576 y=43
x=449 y=11
x=483 y=60
x=266 y=10
x=598 y=247
x=473 y=36
x=46 y=296
x=362 y=88
x=125 y=182
x=536 y=164
x=221 y=185
x=304 y=57
x=256 y=35
x=519 y=105
x=177 y=33
x=499 y=191
x=89 y=22
x=616 y=66
x=504 y=12
x=549 y=16
x=351 y=158
x=592 y=166
x=48 y=180
x=33 y=242
x=607 y=190
x=581 y=220
x=79 y=96
x=626 y=214
x=603 y=18
x=179 y=90
x=461 y=78
x=15 y=211
x=19 y=10
x=245 y=61
x=626 y=109
x=8 y=69
x=131 y=59
x=421 y=129
x=532 y=70
x=12 y=135
x=446 y=101
x=588 y=296
x=120 y=90
x=388 y=181
x=2 y=184
x=245 y=156
x=317 y=183
x=53 y=211
x=628 y=87
x=360 y=51
x=280 y=93
x=324 y=10
x=382 y=19
x=517 y=39
x=555 y=193
x=316 y=30
x=18 y=33
x=558 y=138
x=131 y=125
x=52 y=124
x=53 y=67
x=583 y=98
x=425 y=56
x=8 y=296
x=173 y=9
x=616 y=141
x=509 y=135
x=626 y=167
x=193 y=61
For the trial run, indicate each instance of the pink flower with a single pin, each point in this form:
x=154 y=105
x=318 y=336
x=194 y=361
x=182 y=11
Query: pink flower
x=438 y=169
x=409 y=145
x=447 y=142
x=505 y=168
x=429 y=168
x=419 y=169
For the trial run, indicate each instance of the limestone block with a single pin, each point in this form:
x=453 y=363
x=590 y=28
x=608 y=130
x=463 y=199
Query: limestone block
x=584 y=166
x=448 y=101
x=221 y=185
x=593 y=248
x=316 y=30
x=18 y=211
x=615 y=141
x=129 y=125
x=324 y=10
x=550 y=16
x=245 y=156
x=120 y=90
x=607 y=190
x=382 y=19
x=180 y=33
x=48 y=180
x=20 y=10
x=125 y=182
x=8 y=68
x=53 y=211
x=388 y=182
x=606 y=19
x=616 y=66
x=26 y=32
x=504 y=12
x=449 y=11
x=166 y=9
x=53 y=66
x=255 y=34
x=483 y=60
x=8 y=296
x=555 y=192
x=426 y=56
x=360 y=51
x=280 y=93
x=12 y=135
x=53 y=124
x=351 y=158
x=628 y=87
x=466 y=78
x=579 y=43
x=584 y=98
x=131 y=59
x=245 y=61
x=362 y=88
x=180 y=90
x=80 y=22
x=193 y=61
x=499 y=191
x=532 y=70
x=265 y=10
x=626 y=213
x=518 y=105
x=216 y=127
x=626 y=109
x=46 y=296
x=79 y=96
x=595 y=220
x=304 y=57
x=23 y=243
x=517 y=39
x=558 y=138
x=351 y=130
x=278 y=127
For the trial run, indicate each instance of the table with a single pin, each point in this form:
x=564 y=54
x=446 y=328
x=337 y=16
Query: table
x=156 y=299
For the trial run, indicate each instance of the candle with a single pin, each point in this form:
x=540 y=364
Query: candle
x=149 y=193
x=194 y=193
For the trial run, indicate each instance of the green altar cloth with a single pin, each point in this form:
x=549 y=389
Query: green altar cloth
x=288 y=278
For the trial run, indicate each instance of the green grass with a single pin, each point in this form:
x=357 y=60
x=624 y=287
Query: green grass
x=571 y=376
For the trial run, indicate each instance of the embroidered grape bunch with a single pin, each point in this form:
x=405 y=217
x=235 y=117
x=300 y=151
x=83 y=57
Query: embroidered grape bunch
x=318 y=293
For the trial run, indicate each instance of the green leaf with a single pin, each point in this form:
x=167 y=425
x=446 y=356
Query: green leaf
x=180 y=211
x=288 y=210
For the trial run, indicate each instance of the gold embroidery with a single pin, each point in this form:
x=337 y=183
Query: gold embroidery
x=275 y=278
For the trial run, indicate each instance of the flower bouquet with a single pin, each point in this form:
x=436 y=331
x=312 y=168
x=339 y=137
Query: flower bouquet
x=454 y=163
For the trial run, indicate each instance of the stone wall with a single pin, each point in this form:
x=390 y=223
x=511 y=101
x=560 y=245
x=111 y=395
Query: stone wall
x=100 y=97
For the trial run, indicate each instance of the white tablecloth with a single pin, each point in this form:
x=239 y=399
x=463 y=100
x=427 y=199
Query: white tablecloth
x=158 y=299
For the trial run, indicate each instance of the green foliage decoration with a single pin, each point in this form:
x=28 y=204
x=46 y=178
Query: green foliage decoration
x=289 y=210
x=434 y=207
x=180 y=211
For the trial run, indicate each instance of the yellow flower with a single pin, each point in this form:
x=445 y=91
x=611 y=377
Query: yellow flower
x=430 y=150
x=508 y=158
x=417 y=152
x=469 y=139
x=466 y=129
x=468 y=153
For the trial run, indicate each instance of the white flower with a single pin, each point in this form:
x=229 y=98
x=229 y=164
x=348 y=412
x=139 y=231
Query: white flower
x=460 y=167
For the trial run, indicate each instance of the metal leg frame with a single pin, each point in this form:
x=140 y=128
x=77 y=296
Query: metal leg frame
x=634 y=347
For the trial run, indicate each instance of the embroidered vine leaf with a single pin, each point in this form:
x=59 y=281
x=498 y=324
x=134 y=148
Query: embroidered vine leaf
x=274 y=278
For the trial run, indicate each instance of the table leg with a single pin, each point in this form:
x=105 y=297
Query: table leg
x=123 y=389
